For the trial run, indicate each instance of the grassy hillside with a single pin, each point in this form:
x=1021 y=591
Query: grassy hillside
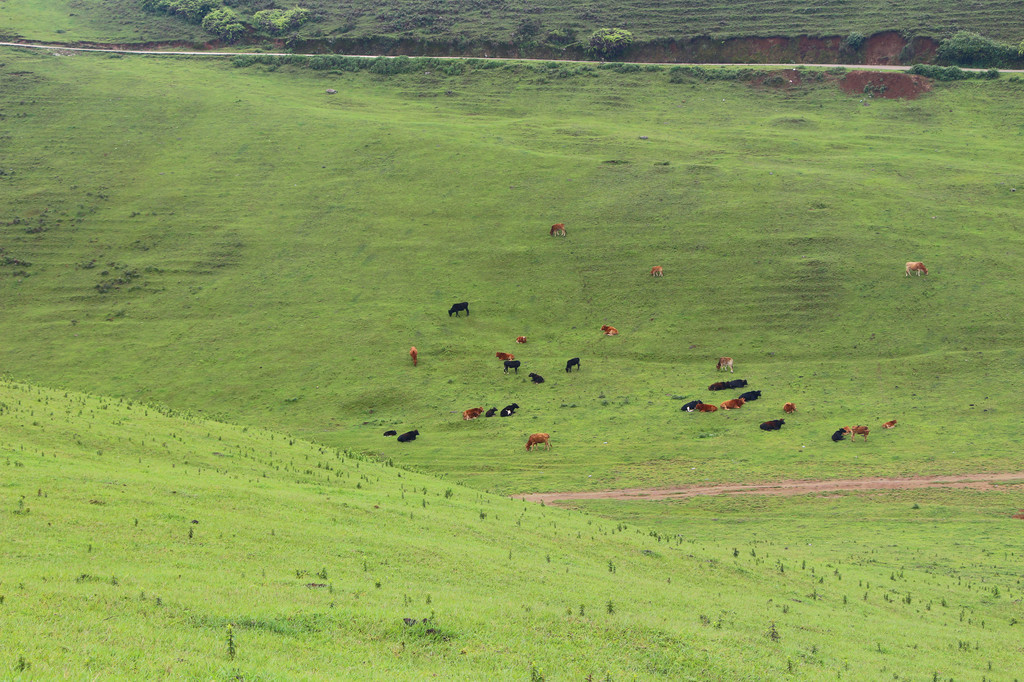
x=260 y=251
x=555 y=23
x=135 y=540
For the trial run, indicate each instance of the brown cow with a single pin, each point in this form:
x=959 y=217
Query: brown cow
x=609 y=331
x=889 y=425
x=557 y=229
x=918 y=266
x=734 y=404
x=704 y=407
x=656 y=271
x=413 y=354
x=852 y=431
x=724 y=363
x=520 y=339
x=789 y=408
x=538 y=438
x=473 y=413
x=504 y=356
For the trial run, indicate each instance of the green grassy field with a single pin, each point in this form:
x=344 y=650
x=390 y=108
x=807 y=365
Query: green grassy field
x=264 y=253
x=134 y=537
x=550 y=22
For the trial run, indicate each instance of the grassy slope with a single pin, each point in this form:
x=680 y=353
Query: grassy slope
x=290 y=246
x=123 y=20
x=132 y=537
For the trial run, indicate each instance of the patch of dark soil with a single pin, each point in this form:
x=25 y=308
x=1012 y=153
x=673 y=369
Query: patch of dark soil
x=889 y=84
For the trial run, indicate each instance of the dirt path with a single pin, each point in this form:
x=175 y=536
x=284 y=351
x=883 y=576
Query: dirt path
x=212 y=53
x=976 y=481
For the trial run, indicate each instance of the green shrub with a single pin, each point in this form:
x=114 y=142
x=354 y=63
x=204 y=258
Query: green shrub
x=854 y=41
x=605 y=43
x=276 y=21
x=224 y=24
x=966 y=48
x=191 y=10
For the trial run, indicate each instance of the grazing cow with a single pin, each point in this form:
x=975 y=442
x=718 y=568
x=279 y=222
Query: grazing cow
x=472 y=413
x=491 y=412
x=918 y=266
x=512 y=364
x=718 y=386
x=509 y=410
x=457 y=308
x=734 y=404
x=839 y=435
x=773 y=425
x=557 y=229
x=703 y=407
x=538 y=438
x=889 y=425
x=520 y=339
x=572 y=362
x=408 y=436
x=750 y=395
x=413 y=354
x=536 y=378
x=736 y=383
x=724 y=363
x=391 y=433
x=789 y=408
x=854 y=430
x=691 y=406
x=656 y=271
x=504 y=356
x=609 y=331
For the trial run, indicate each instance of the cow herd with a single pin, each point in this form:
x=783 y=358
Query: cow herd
x=724 y=363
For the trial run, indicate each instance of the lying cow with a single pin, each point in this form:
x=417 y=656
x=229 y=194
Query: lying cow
x=750 y=395
x=408 y=436
x=916 y=266
x=736 y=383
x=855 y=430
x=572 y=362
x=491 y=412
x=608 y=330
x=734 y=404
x=719 y=386
x=512 y=364
x=691 y=406
x=504 y=356
x=536 y=378
x=538 y=438
x=520 y=339
x=773 y=425
x=889 y=425
x=391 y=433
x=472 y=413
x=789 y=408
x=702 y=407
x=459 y=307
x=839 y=435
x=509 y=410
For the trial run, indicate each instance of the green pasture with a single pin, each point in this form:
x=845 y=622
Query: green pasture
x=517 y=21
x=143 y=543
x=235 y=242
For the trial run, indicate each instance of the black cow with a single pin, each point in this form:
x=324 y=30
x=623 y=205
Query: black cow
x=691 y=406
x=536 y=378
x=491 y=412
x=509 y=410
x=839 y=435
x=391 y=433
x=751 y=395
x=408 y=436
x=512 y=364
x=457 y=307
x=718 y=386
x=736 y=383
x=773 y=425
x=573 y=362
